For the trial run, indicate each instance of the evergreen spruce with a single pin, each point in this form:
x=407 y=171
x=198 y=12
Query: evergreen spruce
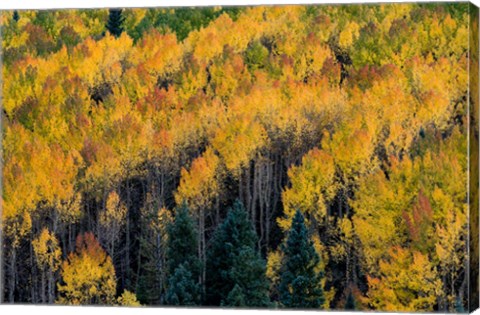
x=350 y=302
x=235 y=270
x=115 y=22
x=300 y=285
x=16 y=16
x=183 y=263
x=235 y=298
x=183 y=288
x=459 y=306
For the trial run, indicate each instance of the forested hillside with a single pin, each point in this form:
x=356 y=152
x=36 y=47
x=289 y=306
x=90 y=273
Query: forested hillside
x=280 y=156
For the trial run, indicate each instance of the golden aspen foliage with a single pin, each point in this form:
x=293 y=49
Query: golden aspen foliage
x=88 y=275
x=17 y=227
x=239 y=141
x=274 y=265
x=355 y=115
x=408 y=281
x=111 y=222
x=450 y=251
x=47 y=250
x=199 y=185
x=313 y=187
x=352 y=149
x=348 y=35
x=128 y=299
x=70 y=210
x=380 y=202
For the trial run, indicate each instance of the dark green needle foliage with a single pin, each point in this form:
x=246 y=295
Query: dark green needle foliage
x=350 y=302
x=182 y=241
x=183 y=263
x=115 y=22
x=235 y=298
x=300 y=285
x=459 y=306
x=235 y=270
x=16 y=16
x=183 y=288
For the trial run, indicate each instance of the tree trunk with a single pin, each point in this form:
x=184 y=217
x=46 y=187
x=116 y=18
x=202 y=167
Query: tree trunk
x=43 y=289
x=13 y=276
x=127 y=240
x=202 y=249
x=51 y=287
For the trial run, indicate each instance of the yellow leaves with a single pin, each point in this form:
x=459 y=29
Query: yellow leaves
x=17 y=41
x=163 y=219
x=47 y=250
x=387 y=105
x=239 y=140
x=378 y=206
x=199 y=185
x=348 y=35
x=246 y=28
x=128 y=299
x=225 y=77
x=449 y=247
x=379 y=201
x=133 y=16
x=158 y=54
x=112 y=218
x=164 y=102
x=352 y=149
x=408 y=282
x=439 y=86
x=88 y=22
x=317 y=54
x=274 y=264
x=192 y=82
x=450 y=251
x=17 y=85
x=16 y=225
x=35 y=171
x=70 y=210
x=209 y=42
x=102 y=60
x=117 y=141
x=313 y=185
x=88 y=275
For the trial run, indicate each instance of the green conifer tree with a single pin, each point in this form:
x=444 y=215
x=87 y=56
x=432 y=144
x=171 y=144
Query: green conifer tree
x=183 y=289
x=459 y=306
x=300 y=285
x=350 y=302
x=183 y=263
x=16 y=16
x=235 y=298
x=235 y=270
x=115 y=22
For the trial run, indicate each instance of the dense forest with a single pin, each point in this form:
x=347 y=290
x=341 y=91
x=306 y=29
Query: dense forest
x=270 y=156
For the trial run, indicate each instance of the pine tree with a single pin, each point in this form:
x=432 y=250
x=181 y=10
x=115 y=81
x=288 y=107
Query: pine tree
x=183 y=288
x=183 y=263
x=350 y=302
x=235 y=270
x=459 y=306
x=182 y=242
x=300 y=285
x=16 y=16
x=235 y=297
x=115 y=22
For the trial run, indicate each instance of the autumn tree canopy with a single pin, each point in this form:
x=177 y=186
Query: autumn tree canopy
x=140 y=145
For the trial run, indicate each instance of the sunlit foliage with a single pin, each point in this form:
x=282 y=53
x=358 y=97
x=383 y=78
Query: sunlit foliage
x=353 y=117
